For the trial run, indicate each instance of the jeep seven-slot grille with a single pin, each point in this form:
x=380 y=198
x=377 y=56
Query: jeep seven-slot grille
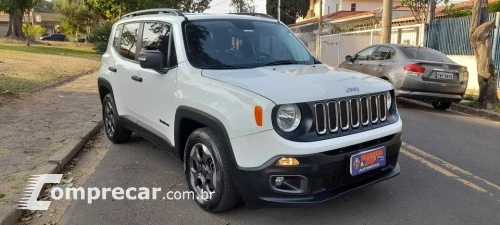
x=352 y=113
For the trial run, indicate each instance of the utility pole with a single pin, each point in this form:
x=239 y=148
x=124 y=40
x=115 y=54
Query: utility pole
x=386 y=22
x=320 y=29
x=279 y=10
x=431 y=11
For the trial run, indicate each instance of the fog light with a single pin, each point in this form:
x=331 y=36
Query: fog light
x=287 y=162
x=279 y=181
x=291 y=184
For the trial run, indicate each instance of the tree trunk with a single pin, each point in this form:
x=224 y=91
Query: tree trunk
x=28 y=23
x=121 y=11
x=480 y=41
x=15 y=26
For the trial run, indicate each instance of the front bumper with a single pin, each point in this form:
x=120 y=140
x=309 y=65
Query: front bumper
x=327 y=175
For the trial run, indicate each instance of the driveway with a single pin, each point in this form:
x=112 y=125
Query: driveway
x=449 y=175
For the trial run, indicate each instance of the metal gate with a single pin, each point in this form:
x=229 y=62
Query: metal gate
x=335 y=47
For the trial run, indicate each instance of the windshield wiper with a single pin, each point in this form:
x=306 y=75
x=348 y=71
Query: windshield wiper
x=281 y=62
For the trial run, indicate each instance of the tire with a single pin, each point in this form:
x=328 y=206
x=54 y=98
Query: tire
x=442 y=105
x=200 y=171
x=114 y=129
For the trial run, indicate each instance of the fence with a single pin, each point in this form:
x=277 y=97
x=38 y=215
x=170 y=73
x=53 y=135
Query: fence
x=451 y=36
x=335 y=47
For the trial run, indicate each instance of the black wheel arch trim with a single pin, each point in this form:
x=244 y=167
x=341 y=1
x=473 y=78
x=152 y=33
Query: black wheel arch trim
x=218 y=127
x=105 y=83
x=186 y=112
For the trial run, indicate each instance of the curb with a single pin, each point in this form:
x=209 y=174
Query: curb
x=55 y=165
x=63 y=156
x=463 y=109
x=476 y=112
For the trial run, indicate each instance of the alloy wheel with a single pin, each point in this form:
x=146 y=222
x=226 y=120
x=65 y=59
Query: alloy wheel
x=109 y=119
x=202 y=172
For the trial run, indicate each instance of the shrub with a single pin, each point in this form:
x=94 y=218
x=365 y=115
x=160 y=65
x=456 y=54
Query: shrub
x=34 y=30
x=100 y=36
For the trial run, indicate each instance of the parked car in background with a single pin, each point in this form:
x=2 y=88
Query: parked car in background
x=80 y=39
x=54 y=37
x=416 y=72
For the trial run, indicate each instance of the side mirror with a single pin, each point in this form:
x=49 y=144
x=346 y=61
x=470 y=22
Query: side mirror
x=151 y=59
x=349 y=58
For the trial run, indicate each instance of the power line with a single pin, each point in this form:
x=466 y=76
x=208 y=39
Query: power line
x=287 y=14
x=219 y=3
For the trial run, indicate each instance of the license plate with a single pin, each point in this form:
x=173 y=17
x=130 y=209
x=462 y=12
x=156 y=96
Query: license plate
x=367 y=160
x=444 y=75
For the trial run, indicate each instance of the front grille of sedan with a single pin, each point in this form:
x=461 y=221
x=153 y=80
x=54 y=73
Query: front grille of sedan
x=341 y=115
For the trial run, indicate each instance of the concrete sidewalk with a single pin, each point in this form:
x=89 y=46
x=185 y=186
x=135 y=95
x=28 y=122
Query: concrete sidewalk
x=36 y=126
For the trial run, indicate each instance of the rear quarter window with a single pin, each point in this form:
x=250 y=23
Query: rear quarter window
x=426 y=54
x=116 y=38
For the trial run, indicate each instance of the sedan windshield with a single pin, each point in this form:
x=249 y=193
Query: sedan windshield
x=239 y=43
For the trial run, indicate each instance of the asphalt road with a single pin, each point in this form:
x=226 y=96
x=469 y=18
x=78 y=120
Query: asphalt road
x=450 y=174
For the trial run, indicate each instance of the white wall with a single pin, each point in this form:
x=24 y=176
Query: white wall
x=468 y=61
x=364 y=5
x=330 y=3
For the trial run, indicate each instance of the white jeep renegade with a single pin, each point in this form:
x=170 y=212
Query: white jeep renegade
x=247 y=109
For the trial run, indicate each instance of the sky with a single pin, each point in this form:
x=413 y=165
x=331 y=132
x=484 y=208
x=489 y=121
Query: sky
x=222 y=6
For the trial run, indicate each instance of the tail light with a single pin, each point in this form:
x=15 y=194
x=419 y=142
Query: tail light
x=414 y=70
x=465 y=73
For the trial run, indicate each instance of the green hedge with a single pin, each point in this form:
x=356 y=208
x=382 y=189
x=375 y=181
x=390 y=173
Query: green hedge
x=100 y=36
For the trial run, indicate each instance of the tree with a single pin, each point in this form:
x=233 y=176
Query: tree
x=193 y=5
x=290 y=10
x=45 y=7
x=481 y=43
x=75 y=18
x=16 y=9
x=494 y=7
x=243 y=5
x=420 y=8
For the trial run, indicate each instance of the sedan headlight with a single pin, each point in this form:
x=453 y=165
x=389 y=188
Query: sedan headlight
x=389 y=100
x=288 y=117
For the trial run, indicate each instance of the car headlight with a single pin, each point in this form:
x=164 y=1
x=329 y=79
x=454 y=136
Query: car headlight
x=288 y=117
x=389 y=100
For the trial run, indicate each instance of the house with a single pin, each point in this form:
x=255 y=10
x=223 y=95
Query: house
x=49 y=21
x=332 y=6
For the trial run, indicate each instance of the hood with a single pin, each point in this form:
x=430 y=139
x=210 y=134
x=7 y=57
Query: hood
x=300 y=83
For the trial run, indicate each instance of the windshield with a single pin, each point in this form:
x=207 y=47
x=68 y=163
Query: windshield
x=426 y=54
x=222 y=44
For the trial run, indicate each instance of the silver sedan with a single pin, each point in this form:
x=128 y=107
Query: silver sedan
x=416 y=72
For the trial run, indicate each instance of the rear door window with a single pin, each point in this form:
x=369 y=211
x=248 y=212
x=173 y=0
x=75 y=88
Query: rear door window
x=128 y=43
x=426 y=54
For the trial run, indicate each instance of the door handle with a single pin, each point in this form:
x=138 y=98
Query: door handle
x=136 y=78
x=381 y=64
x=112 y=69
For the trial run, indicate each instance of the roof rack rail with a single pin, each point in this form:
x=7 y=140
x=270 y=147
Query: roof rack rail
x=263 y=15
x=151 y=11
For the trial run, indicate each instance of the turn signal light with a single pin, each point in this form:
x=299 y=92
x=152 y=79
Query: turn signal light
x=257 y=111
x=466 y=74
x=287 y=162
